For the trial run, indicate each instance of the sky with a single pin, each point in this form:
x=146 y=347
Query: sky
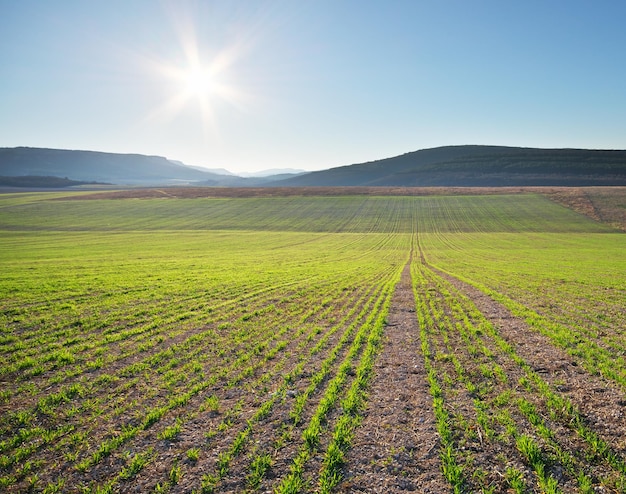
x=248 y=85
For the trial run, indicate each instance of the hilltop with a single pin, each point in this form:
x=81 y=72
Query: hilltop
x=478 y=166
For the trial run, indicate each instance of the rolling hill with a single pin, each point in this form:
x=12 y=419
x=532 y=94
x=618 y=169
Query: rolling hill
x=127 y=169
x=476 y=166
x=464 y=166
x=44 y=167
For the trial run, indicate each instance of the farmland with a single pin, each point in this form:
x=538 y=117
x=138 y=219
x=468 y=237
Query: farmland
x=307 y=343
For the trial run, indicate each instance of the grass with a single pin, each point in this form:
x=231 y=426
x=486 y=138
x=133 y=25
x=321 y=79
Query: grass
x=560 y=284
x=128 y=326
x=465 y=354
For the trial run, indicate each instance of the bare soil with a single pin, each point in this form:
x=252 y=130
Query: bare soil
x=601 y=401
x=396 y=447
x=604 y=204
x=569 y=195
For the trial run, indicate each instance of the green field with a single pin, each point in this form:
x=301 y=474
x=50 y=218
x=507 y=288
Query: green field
x=227 y=344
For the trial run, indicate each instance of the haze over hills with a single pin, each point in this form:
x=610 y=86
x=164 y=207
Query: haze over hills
x=120 y=169
x=274 y=171
x=472 y=166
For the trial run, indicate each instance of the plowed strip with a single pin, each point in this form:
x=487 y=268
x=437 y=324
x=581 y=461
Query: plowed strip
x=601 y=401
x=396 y=447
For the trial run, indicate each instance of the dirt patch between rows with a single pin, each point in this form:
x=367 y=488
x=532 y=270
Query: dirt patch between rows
x=396 y=447
x=601 y=401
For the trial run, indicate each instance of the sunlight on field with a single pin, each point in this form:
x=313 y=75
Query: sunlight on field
x=209 y=345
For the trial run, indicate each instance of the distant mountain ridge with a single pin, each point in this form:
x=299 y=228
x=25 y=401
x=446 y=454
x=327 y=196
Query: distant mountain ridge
x=449 y=166
x=478 y=166
x=113 y=168
x=274 y=171
x=128 y=169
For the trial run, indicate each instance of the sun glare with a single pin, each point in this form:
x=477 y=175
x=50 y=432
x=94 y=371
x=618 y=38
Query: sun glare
x=201 y=79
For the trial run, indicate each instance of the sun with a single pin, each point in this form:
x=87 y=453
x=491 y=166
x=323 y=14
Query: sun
x=198 y=82
x=194 y=87
x=200 y=87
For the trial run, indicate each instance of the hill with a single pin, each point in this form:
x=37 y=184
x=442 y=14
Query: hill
x=89 y=166
x=60 y=167
x=450 y=166
x=41 y=182
x=478 y=166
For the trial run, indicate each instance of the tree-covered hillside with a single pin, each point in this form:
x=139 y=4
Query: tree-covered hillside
x=485 y=166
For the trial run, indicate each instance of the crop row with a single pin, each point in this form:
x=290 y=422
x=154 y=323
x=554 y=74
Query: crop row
x=189 y=368
x=569 y=288
x=361 y=214
x=227 y=344
x=497 y=417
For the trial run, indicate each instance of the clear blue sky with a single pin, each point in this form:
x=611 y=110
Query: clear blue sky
x=249 y=85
